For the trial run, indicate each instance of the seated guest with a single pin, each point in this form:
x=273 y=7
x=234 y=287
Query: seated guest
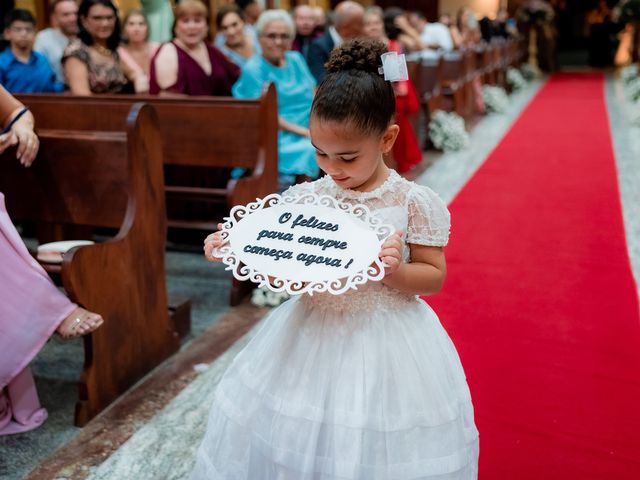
x=320 y=19
x=294 y=85
x=348 y=24
x=305 y=22
x=21 y=69
x=435 y=36
x=159 y=15
x=374 y=24
x=252 y=9
x=397 y=27
x=504 y=26
x=136 y=51
x=466 y=32
x=91 y=63
x=51 y=42
x=188 y=65
x=249 y=11
x=31 y=306
x=239 y=45
x=406 y=151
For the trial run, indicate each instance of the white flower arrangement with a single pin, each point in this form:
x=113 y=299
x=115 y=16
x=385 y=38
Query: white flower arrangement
x=447 y=131
x=515 y=79
x=263 y=297
x=629 y=73
x=529 y=72
x=495 y=99
x=633 y=89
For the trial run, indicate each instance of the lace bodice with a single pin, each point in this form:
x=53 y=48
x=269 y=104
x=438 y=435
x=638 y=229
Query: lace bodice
x=416 y=210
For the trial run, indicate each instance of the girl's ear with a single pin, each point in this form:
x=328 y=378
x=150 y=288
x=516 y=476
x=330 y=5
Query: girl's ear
x=389 y=138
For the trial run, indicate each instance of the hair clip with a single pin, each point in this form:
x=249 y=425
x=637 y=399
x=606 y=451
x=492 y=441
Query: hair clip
x=394 y=67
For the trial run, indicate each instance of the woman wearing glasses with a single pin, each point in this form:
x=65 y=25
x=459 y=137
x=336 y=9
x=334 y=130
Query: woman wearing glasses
x=91 y=63
x=188 y=65
x=295 y=86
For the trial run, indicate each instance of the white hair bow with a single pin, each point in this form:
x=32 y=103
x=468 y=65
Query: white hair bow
x=394 y=67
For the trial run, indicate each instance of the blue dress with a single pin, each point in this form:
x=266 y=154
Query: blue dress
x=294 y=85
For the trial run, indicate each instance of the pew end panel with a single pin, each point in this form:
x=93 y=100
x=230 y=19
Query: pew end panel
x=113 y=180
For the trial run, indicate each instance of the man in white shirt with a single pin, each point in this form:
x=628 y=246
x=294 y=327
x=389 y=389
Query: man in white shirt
x=435 y=36
x=51 y=42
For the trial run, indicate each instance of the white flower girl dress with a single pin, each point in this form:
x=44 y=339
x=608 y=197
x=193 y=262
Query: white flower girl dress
x=365 y=385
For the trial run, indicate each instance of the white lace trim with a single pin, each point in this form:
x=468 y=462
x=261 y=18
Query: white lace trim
x=417 y=210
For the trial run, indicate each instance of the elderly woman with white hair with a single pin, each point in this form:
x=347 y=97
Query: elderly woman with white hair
x=295 y=86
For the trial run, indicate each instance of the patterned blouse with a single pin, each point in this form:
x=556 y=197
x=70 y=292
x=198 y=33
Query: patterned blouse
x=104 y=76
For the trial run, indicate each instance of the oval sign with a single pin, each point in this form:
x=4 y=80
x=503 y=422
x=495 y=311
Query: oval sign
x=301 y=244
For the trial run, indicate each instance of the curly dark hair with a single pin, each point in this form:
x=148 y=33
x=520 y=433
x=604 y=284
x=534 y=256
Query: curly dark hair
x=83 y=11
x=353 y=91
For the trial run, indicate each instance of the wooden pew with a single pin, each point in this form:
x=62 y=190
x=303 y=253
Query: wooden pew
x=425 y=75
x=452 y=81
x=202 y=139
x=210 y=135
x=113 y=180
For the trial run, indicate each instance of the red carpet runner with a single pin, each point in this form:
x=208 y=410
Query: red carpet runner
x=540 y=300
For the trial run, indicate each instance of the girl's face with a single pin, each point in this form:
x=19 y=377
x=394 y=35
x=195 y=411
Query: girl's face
x=352 y=159
x=100 y=22
x=136 y=29
x=191 y=29
x=373 y=26
x=232 y=27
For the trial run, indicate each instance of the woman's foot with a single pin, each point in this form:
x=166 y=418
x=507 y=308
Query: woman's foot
x=79 y=322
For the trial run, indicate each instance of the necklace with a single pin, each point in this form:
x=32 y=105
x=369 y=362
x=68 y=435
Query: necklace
x=102 y=50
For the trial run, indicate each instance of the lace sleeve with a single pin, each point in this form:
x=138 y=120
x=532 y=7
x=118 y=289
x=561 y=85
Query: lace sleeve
x=429 y=218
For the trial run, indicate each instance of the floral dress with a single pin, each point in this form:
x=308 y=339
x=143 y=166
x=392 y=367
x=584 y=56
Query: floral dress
x=104 y=77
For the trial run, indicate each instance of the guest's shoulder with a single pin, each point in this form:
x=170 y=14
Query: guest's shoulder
x=39 y=57
x=77 y=49
x=295 y=58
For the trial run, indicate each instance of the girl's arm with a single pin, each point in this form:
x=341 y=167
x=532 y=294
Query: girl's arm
x=423 y=276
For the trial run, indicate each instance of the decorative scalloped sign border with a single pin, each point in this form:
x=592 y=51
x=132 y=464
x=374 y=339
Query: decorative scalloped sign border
x=303 y=244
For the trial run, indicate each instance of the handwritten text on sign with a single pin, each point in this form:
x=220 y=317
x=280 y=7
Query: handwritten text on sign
x=307 y=243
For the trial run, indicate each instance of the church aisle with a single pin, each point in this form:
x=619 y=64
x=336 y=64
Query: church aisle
x=540 y=299
x=160 y=443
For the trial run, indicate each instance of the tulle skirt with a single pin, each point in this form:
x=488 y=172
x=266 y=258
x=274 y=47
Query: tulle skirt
x=354 y=394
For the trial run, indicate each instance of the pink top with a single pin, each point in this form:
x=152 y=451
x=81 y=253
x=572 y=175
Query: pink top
x=129 y=61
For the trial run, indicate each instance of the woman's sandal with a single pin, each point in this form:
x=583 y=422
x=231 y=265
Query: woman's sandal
x=78 y=323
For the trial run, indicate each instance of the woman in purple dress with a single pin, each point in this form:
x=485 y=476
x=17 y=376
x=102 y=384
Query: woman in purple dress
x=189 y=65
x=31 y=307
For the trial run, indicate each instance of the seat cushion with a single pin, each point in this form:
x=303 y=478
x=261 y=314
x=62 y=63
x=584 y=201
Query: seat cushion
x=54 y=251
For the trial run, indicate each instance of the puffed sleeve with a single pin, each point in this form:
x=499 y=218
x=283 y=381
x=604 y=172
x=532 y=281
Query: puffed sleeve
x=429 y=219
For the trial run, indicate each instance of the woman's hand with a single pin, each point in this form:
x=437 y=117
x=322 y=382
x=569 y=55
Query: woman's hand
x=391 y=252
x=212 y=242
x=22 y=135
x=28 y=143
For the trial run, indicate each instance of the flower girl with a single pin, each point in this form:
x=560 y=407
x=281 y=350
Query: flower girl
x=365 y=385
